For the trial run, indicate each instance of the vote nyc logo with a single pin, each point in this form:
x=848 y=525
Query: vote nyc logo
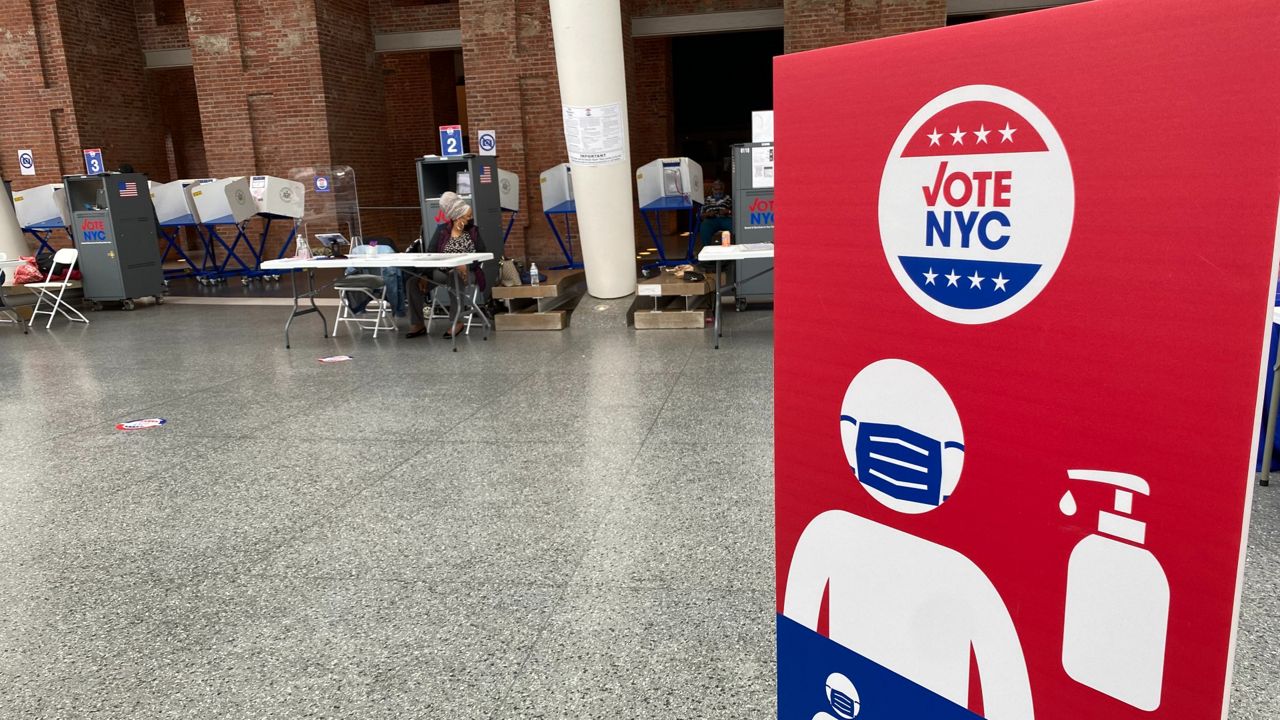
x=976 y=204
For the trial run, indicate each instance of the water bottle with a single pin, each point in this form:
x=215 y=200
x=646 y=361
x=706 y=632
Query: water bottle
x=533 y=273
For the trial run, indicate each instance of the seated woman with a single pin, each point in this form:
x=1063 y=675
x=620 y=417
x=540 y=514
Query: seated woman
x=717 y=215
x=459 y=235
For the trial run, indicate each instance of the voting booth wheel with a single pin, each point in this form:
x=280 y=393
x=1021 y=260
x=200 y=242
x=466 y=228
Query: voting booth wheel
x=159 y=299
x=740 y=304
x=127 y=305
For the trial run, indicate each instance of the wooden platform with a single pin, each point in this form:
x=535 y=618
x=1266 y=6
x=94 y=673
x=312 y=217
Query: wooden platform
x=538 y=307
x=666 y=302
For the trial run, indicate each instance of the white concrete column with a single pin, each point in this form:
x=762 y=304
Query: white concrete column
x=12 y=242
x=589 y=60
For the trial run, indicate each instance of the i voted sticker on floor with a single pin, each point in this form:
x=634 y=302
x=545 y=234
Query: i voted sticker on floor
x=145 y=424
x=335 y=358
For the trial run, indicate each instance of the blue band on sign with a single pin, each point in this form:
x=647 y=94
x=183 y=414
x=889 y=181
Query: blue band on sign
x=968 y=284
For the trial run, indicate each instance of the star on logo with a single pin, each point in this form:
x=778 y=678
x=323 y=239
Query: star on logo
x=933 y=137
x=1000 y=281
x=1007 y=133
x=930 y=276
x=957 y=137
x=975 y=280
x=952 y=279
x=982 y=132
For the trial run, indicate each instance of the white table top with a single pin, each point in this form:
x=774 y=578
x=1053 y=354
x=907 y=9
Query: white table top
x=420 y=260
x=749 y=251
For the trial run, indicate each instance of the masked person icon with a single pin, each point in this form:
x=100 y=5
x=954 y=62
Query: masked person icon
x=913 y=607
x=842 y=696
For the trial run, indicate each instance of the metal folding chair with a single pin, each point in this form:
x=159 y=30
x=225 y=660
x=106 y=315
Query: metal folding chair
x=375 y=287
x=67 y=257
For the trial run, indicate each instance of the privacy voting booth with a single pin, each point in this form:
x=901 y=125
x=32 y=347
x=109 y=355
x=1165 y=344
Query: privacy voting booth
x=556 y=185
x=42 y=210
x=113 y=224
x=987 y=504
x=223 y=203
x=475 y=179
x=276 y=199
x=670 y=185
x=175 y=209
x=508 y=199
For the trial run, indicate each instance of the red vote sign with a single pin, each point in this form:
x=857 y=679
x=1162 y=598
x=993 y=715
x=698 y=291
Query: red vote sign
x=1015 y=446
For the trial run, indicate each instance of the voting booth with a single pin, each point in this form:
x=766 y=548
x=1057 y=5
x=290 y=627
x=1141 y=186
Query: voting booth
x=41 y=210
x=670 y=185
x=173 y=203
x=224 y=202
x=556 y=187
x=113 y=225
x=277 y=197
x=752 y=171
x=475 y=178
x=508 y=199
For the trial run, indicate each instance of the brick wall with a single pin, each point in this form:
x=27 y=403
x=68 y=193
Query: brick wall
x=512 y=88
x=398 y=16
x=812 y=24
x=105 y=68
x=650 y=8
x=174 y=95
x=154 y=36
x=36 y=111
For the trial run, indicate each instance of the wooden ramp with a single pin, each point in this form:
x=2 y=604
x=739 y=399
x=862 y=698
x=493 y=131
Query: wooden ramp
x=539 y=307
x=666 y=302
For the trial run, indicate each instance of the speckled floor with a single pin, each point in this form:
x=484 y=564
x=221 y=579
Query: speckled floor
x=518 y=530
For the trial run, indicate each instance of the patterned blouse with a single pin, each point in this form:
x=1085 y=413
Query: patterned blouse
x=460 y=244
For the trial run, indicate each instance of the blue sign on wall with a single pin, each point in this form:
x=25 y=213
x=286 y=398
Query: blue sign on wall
x=93 y=162
x=450 y=140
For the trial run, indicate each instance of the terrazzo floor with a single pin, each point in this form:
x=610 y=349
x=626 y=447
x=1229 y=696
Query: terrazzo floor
x=543 y=525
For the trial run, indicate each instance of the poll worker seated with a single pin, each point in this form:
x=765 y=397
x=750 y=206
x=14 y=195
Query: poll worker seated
x=717 y=215
x=459 y=234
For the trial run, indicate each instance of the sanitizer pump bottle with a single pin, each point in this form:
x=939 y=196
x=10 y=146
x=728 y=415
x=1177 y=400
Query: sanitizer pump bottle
x=1117 y=612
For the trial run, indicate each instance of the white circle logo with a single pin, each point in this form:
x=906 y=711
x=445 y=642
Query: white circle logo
x=902 y=436
x=976 y=204
x=322 y=183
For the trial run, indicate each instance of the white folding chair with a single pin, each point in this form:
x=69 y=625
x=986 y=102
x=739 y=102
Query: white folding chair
x=376 y=289
x=67 y=257
x=437 y=309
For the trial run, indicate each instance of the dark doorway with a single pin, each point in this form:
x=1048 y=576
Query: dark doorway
x=718 y=81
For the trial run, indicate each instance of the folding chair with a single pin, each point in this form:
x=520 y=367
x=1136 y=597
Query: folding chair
x=438 y=311
x=372 y=285
x=67 y=257
x=10 y=315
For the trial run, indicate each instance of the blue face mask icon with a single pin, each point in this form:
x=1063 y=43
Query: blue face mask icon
x=900 y=462
x=845 y=706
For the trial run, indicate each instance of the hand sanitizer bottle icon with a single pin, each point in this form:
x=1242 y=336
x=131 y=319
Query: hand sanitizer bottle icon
x=1117 y=613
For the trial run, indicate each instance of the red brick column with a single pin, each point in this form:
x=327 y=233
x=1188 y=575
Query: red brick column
x=512 y=88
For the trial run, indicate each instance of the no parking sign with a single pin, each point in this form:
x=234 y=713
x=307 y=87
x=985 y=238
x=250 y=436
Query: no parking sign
x=1013 y=478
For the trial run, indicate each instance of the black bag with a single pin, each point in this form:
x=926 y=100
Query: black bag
x=44 y=262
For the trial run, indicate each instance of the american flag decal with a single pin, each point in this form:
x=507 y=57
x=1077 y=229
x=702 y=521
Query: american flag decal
x=486 y=175
x=128 y=189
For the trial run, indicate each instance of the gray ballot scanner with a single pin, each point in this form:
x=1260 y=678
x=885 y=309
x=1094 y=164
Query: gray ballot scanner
x=752 y=170
x=114 y=226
